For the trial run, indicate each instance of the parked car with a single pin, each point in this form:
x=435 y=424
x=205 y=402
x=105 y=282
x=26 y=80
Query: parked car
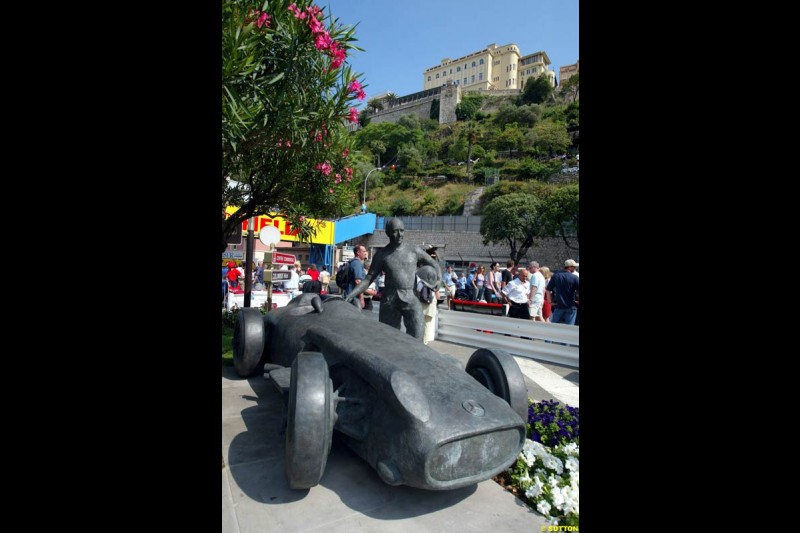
x=415 y=415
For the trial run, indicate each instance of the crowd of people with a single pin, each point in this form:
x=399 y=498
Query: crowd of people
x=533 y=293
x=233 y=278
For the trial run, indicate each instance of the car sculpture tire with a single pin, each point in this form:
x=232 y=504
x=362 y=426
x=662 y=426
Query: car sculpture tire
x=248 y=341
x=311 y=417
x=499 y=372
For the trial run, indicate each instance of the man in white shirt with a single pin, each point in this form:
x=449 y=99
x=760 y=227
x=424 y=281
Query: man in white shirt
x=292 y=285
x=516 y=294
x=537 y=292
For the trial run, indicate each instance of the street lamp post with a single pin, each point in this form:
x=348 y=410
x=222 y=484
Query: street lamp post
x=364 y=203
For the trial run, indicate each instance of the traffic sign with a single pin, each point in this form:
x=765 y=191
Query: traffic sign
x=277 y=275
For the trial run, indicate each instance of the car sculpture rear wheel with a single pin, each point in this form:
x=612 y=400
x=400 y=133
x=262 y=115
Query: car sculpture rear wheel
x=499 y=372
x=248 y=341
x=310 y=420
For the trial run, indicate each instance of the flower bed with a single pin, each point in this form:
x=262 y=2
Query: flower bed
x=545 y=475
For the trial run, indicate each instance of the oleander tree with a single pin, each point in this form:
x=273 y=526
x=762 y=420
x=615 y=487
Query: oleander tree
x=287 y=93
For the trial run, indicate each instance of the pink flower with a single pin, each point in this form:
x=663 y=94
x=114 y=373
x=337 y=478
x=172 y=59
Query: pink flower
x=263 y=19
x=349 y=172
x=353 y=115
x=316 y=26
x=338 y=55
x=325 y=168
x=323 y=41
x=280 y=144
x=354 y=86
x=338 y=178
x=330 y=191
x=297 y=13
x=302 y=218
x=288 y=144
x=345 y=153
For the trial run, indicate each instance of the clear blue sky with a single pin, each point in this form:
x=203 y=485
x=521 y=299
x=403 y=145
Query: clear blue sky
x=402 y=38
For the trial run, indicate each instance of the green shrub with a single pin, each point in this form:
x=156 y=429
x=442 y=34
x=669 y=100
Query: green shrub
x=402 y=207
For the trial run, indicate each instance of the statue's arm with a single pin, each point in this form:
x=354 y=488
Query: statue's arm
x=425 y=259
x=364 y=285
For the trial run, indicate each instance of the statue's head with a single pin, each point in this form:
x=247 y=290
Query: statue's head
x=394 y=230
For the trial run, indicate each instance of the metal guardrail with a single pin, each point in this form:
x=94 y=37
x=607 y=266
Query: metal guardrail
x=526 y=338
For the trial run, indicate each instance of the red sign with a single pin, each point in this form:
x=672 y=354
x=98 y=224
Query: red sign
x=282 y=259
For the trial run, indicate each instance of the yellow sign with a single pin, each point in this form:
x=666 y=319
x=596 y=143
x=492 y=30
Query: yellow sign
x=323 y=234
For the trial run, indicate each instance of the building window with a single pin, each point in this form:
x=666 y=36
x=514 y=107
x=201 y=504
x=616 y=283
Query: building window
x=473 y=63
x=465 y=81
x=480 y=76
x=429 y=78
x=437 y=76
x=458 y=69
x=473 y=79
x=481 y=61
x=451 y=71
x=465 y=66
x=444 y=73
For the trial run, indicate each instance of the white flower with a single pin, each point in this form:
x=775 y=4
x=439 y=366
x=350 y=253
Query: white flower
x=571 y=464
x=535 y=489
x=573 y=480
x=570 y=449
x=558 y=498
x=528 y=456
x=570 y=500
x=537 y=447
x=553 y=463
x=524 y=479
x=543 y=507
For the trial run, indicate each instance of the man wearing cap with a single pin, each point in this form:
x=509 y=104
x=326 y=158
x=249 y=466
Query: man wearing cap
x=399 y=261
x=563 y=288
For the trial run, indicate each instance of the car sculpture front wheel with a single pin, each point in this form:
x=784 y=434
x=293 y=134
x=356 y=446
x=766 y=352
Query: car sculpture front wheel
x=499 y=372
x=311 y=418
x=248 y=341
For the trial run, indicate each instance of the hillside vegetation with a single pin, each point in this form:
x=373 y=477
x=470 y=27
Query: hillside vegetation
x=428 y=168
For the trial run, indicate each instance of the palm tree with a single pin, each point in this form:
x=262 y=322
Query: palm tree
x=473 y=132
x=375 y=104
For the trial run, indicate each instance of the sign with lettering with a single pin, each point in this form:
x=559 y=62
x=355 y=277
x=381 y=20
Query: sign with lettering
x=277 y=275
x=323 y=229
x=279 y=258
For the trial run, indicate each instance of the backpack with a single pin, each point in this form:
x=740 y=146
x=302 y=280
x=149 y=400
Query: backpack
x=312 y=286
x=343 y=276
